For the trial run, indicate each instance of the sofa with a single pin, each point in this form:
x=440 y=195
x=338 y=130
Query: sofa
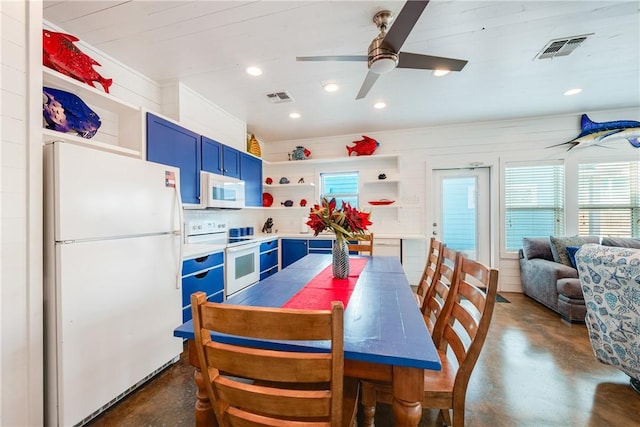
x=610 y=281
x=549 y=277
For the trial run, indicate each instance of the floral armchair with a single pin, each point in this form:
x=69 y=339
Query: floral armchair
x=610 y=280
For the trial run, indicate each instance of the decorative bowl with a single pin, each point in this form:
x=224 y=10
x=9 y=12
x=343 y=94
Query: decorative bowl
x=267 y=200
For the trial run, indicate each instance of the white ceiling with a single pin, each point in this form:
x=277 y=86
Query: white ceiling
x=208 y=44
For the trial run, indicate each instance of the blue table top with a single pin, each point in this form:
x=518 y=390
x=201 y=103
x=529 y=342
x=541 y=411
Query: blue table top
x=382 y=321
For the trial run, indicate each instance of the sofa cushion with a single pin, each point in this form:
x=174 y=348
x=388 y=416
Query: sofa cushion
x=570 y=288
x=536 y=247
x=621 y=242
x=559 y=246
x=571 y=251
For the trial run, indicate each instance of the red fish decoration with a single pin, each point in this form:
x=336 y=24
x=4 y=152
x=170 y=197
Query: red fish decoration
x=60 y=54
x=365 y=147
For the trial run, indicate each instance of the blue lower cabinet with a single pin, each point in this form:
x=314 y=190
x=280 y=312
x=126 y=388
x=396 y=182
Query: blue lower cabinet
x=209 y=281
x=293 y=250
x=269 y=272
x=268 y=258
x=320 y=246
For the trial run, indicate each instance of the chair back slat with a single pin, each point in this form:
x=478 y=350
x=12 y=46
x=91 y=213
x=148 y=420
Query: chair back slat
x=435 y=306
x=363 y=246
x=434 y=256
x=259 y=387
x=468 y=324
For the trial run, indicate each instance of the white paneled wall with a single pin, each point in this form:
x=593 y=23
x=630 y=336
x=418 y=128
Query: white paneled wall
x=21 y=396
x=459 y=146
x=200 y=115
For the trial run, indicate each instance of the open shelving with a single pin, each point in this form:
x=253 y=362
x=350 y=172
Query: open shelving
x=122 y=126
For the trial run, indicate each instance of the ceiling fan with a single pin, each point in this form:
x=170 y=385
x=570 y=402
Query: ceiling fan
x=384 y=51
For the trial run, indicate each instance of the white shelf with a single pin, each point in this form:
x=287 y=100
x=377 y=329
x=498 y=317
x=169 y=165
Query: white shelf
x=290 y=208
x=291 y=185
x=49 y=135
x=381 y=181
x=335 y=160
x=122 y=126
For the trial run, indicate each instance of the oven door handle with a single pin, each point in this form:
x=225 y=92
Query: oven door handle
x=243 y=248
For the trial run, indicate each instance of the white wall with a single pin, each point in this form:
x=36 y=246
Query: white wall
x=20 y=214
x=458 y=146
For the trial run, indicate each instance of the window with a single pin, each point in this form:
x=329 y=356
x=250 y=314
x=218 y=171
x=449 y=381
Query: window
x=609 y=199
x=534 y=202
x=341 y=185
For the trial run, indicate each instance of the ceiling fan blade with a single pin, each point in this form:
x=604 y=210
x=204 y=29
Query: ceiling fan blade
x=358 y=58
x=367 y=84
x=404 y=23
x=428 y=62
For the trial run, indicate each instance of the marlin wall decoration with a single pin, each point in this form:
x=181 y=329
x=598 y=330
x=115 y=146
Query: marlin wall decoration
x=594 y=133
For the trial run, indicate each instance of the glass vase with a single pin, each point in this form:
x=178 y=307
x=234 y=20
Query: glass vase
x=340 y=254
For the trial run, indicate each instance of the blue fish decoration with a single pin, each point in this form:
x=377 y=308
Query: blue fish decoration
x=594 y=133
x=63 y=111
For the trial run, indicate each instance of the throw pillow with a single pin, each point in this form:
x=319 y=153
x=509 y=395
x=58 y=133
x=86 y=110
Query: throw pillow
x=559 y=246
x=571 y=251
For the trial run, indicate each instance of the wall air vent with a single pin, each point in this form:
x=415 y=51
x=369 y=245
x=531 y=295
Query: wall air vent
x=279 y=97
x=561 y=47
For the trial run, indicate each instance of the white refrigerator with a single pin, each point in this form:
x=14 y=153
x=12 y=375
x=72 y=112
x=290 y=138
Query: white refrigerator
x=112 y=297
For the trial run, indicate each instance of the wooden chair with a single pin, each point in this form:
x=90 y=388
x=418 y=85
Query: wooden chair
x=434 y=255
x=464 y=335
x=361 y=246
x=439 y=298
x=257 y=387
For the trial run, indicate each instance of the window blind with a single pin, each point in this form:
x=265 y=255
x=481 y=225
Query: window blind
x=609 y=199
x=341 y=185
x=534 y=202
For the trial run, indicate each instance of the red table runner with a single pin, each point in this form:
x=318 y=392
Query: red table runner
x=324 y=288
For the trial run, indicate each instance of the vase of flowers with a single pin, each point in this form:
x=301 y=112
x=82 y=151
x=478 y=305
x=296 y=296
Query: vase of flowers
x=346 y=223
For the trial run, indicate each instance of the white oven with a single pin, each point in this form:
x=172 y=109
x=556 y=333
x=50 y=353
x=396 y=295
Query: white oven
x=242 y=266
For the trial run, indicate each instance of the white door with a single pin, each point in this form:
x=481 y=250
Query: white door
x=460 y=201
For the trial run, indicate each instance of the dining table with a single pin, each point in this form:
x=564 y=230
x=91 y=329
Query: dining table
x=385 y=336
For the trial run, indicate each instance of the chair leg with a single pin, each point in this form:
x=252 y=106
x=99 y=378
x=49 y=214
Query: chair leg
x=368 y=405
x=445 y=417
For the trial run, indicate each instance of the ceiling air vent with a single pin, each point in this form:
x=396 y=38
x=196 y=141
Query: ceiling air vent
x=561 y=47
x=279 y=97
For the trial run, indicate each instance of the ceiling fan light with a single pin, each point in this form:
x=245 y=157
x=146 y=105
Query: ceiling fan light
x=383 y=65
x=573 y=91
x=379 y=105
x=440 y=73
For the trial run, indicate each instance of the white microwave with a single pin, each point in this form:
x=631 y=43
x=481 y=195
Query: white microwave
x=221 y=192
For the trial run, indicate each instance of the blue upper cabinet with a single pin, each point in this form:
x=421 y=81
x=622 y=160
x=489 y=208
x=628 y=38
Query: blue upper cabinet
x=251 y=174
x=219 y=158
x=171 y=144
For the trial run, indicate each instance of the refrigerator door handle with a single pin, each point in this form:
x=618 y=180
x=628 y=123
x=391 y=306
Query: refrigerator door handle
x=179 y=232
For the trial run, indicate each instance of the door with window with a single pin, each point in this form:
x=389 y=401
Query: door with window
x=460 y=202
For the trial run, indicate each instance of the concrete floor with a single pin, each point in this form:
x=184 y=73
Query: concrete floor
x=534 y=371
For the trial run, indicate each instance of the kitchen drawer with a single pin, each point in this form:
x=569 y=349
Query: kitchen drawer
x=209 y=282
x=202 y=263
x=268 y=259
x=186 y=311
x=266 y=246
x=319 y=243
x=269 y=272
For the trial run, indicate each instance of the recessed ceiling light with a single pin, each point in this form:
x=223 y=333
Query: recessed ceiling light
x=331 y=87
x=254 y=71
x=294 y=115
x=573 y=91
x=379 y=105
x=440 y=73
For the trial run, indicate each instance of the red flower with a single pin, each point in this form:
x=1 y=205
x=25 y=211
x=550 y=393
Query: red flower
x=346 y=222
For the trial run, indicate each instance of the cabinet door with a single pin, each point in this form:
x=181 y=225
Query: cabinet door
x=211 y=156
x=293 y=250
x=251 y=174
x=231 y=161
x=173 y=145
